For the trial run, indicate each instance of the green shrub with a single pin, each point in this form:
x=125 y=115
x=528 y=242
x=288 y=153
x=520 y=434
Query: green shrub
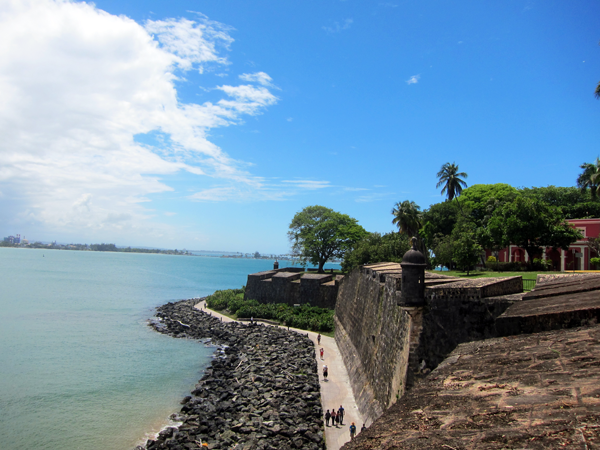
x=220 y=299
x=595 y=262
x=305 y=317
x=506 y=266
x=491 y=259
x=541 y=264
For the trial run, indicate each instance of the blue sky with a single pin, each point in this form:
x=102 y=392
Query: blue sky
x=208 y=124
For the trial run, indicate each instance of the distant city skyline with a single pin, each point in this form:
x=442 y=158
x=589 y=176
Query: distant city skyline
x=188 y=124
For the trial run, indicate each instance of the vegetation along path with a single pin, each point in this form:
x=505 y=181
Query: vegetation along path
x=335 y=391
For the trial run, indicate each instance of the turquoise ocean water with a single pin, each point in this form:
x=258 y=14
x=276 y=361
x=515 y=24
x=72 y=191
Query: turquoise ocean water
x=79 y=367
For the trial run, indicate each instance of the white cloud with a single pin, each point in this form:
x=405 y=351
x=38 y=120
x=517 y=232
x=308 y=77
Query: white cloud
x=413 y=80
x=78 y=85
x=191 y=42
x=337 y=27
x=258 y=77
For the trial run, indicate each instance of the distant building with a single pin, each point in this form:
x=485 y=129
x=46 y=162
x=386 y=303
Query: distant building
x=577 y=257
x=13 y=239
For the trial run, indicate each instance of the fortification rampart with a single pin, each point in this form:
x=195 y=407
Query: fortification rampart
x=384 y=346
x=292 y=286
x=372 y=335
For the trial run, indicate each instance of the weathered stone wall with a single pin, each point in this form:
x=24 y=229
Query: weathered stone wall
x=384 y=346
x=288 y=285
x=372 y=334
x=448 y=322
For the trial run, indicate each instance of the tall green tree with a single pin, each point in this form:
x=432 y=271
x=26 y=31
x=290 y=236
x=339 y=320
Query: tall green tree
x=407 y=217
x=452 y=180
x=318 y=234
x=376 y=248
x=532 y=225
x=443 y=249
x=440 y=218
x=466 y=251
x=590 y=177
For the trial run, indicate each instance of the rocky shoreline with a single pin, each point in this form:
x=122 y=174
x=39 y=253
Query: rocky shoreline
x=261 y=391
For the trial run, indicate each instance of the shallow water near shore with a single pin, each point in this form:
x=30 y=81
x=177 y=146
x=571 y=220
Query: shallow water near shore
x=79 y=367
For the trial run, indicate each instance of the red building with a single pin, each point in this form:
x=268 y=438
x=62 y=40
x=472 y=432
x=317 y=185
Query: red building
x=577 y=257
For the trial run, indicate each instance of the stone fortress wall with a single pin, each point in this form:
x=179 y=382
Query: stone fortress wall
x=384 y=346
x=292 y=286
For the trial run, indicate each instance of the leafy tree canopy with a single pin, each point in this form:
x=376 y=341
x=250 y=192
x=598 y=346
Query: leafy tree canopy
x=376 y=248
x=531 y=224
x=318 y=234
x=557 y=195
x=575 y=203
x=442 y=217
x=482 y=199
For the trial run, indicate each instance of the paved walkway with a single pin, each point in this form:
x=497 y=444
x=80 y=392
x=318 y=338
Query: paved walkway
x=335 y=391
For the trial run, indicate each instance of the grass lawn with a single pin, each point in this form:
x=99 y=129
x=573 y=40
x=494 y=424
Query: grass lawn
x=489 y=273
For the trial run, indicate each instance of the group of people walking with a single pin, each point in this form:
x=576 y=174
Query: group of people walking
x=336 y=417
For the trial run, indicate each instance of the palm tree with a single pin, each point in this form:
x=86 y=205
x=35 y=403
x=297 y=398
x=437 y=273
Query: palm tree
x=407 y=216
x=451 y=179
x=590 y=177
x=597 y=91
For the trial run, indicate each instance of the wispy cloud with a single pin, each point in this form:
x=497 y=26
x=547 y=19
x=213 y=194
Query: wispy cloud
x=308 y=184
x=258 y=77
x=376 y=196
x=413 y=80
x=338 y=27
x=79 y=85
x=262 y=190
x=388 y=5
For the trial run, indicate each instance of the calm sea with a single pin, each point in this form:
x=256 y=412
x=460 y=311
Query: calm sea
x=79 y=367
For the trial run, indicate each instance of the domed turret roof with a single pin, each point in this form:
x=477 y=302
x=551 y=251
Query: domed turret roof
x=413 y=256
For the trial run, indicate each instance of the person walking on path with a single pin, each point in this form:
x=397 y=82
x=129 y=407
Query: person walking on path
x=341 y=415
x=352 y=431
x=325 y=373
x=333 y=418
x=327 y=417
x=364 y=427
x=319 y=339
x=321 y=351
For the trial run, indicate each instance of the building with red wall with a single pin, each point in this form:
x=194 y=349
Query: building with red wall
x=577 y=257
